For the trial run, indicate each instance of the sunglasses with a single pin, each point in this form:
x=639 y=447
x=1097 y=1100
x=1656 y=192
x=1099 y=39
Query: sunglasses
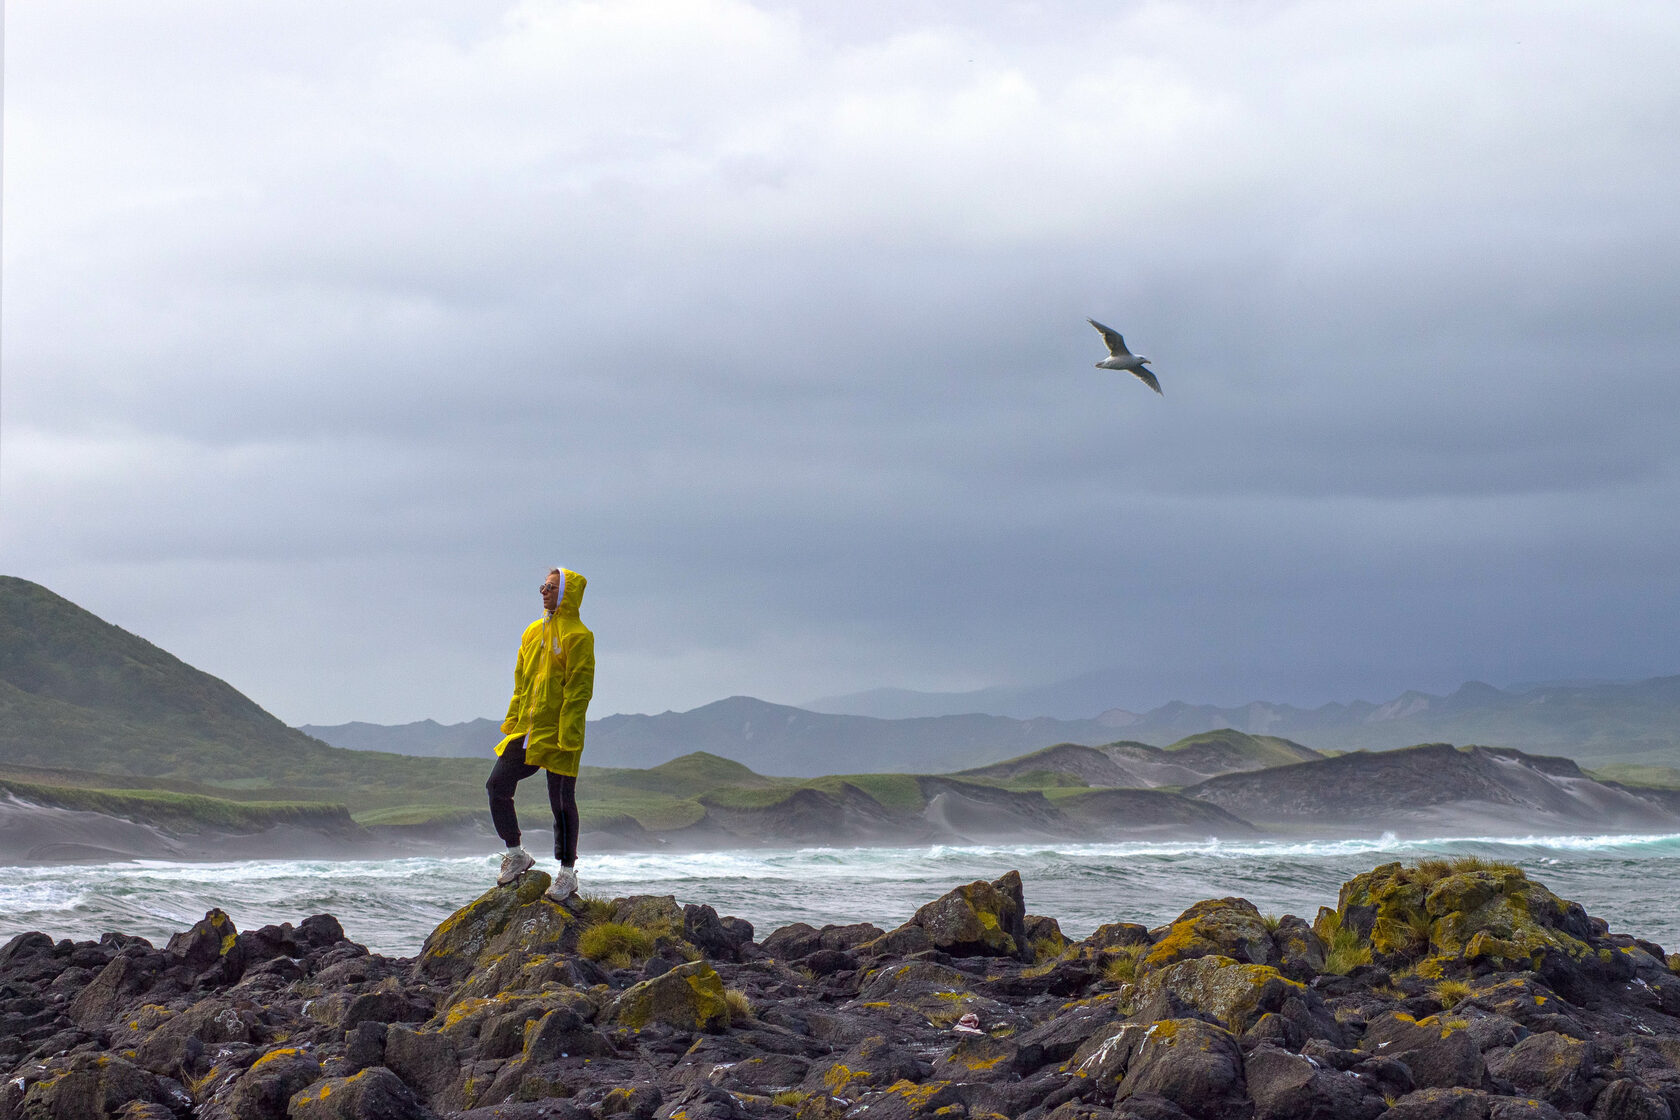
x=547 y=587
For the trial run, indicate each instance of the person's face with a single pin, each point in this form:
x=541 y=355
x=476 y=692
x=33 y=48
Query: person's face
x=551 y=591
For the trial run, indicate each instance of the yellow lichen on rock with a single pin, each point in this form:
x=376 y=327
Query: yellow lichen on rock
x=916 y=1096
x=1232 y=992
x=1228 y=927
x=690 y=997
x=1438 y=914
x=277 y=1055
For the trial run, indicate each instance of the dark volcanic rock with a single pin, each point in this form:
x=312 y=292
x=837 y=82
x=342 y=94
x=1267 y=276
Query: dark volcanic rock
x=981 y=919
x=798 y=941
x=1487 y=997
x=1301 y=952
x=1286 y=1086
x=1441 y=1104
x=1195 y=1065
x=1567 y=1072
x=1438 y=1053
x=706 y=931
x=267 y=1089
x=211 y=943
x=373 y=1094
x=89 y=1085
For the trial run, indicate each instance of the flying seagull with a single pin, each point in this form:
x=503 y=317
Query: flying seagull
x=1121 y=358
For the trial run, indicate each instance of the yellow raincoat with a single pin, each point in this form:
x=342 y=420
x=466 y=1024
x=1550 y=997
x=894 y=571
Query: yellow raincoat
x=552 y=682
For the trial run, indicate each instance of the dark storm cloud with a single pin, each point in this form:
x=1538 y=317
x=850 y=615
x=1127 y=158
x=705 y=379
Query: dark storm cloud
x=327 y=330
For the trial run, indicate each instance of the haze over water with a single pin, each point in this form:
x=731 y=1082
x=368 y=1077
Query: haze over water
x=391 y=905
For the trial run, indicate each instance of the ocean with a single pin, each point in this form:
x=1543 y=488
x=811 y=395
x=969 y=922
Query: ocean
x=1633 y=882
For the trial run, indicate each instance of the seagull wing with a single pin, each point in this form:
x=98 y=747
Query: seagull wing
x=1116 y=344
x=1148 y=379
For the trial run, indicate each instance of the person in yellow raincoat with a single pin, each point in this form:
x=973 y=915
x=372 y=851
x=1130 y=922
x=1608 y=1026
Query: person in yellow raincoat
x=553 y=678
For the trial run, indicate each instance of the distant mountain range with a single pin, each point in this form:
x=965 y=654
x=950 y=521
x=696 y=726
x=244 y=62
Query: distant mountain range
x=1593 y=723
x=769 y=738
x=112 y=748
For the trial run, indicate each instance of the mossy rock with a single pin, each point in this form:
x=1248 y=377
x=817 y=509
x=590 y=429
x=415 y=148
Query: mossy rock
x=509 y=938
x=1503 y=916
x=1492 y=917
x=911 y=978
x=1046 y=937
x=980 y=919
x=1232 y=992
x=662 y=919
x=936 y=993
x=1439 y=1049
x=1386 y=908
x=983 y=1058
x=512 y=973
x=453 y=949
x=466 y=1021
x=1217 y=927
x=901 y=942
x=689 y=997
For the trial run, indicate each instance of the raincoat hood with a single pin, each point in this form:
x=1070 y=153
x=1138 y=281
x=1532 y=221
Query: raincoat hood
x=571 y=596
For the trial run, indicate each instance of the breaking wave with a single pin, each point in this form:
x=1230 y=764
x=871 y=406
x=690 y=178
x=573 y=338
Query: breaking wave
x=390 y=905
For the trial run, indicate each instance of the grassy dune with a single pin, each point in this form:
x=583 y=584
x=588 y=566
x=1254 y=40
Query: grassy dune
x=182 y=812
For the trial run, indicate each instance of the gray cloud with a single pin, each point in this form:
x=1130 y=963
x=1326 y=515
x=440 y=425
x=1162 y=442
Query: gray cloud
x=327 y=330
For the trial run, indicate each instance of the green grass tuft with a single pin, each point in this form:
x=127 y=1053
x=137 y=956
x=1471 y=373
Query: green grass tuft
x=1451 y=992
x=740 y=1007
x=615 y=944
x=1346 y=951
x=1427 y=872
x=592 y=909
x=1121 y=967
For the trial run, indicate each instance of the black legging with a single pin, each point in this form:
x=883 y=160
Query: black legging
x=510 y=769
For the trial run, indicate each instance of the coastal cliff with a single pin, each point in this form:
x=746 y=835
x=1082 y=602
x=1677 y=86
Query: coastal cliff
x=1445 y=989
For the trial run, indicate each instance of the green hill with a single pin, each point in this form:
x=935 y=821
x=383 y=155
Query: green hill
x=1242 y=749
x=78 y=694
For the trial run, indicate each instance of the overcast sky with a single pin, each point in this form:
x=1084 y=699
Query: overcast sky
x=329 y=327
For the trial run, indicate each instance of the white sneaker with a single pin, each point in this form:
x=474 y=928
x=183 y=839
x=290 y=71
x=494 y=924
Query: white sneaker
x=565 y=885
x=515 y=863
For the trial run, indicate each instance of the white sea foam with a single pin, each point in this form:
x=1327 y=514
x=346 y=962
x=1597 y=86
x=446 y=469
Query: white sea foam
x=392 y=904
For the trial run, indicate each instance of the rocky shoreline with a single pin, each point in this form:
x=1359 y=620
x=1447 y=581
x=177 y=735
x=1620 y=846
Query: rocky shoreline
x=1443 y=990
